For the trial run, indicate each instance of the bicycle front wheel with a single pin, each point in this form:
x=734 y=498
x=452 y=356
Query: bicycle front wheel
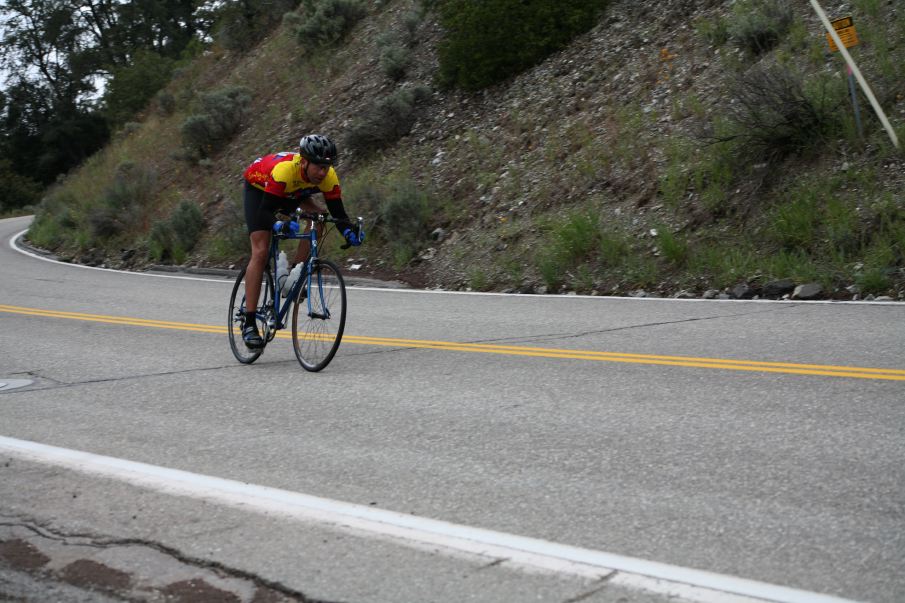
x=319 y=316
x=236 y=320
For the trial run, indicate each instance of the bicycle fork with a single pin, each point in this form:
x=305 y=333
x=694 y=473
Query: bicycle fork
x=316 y=280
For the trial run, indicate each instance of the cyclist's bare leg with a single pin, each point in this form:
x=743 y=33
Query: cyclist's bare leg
x=260 y=246
x=304 y=249
x=311 y=206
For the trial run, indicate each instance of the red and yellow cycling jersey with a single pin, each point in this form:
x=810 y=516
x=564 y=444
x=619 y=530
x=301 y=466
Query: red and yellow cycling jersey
x=281 y=175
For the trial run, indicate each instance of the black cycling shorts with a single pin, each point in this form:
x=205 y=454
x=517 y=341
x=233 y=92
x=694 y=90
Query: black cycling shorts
x=261 y=209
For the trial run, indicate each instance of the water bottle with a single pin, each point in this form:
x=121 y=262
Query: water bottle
x=282 y=271
x=293 y=277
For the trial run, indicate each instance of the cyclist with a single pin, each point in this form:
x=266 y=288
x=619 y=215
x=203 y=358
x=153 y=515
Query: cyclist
x=280 y=183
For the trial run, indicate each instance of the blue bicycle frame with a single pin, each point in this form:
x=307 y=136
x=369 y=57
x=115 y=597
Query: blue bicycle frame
x=281 y=310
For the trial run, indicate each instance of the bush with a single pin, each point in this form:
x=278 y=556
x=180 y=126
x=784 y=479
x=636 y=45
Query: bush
x=123 y=201
x=228 y=235
x=176 y=237
x=574 y=241
x=325 y=22
x=165 y=103
x=395 y=46
x=394 y=60
x=759 y=25
x=241 y=25
x=489 y=41
x=877 y=270
x=403 y=215
x=54 y=221
x=774 y=116
x=222 y=114
x=388 y=121
x=714 y=31
x=672 y=248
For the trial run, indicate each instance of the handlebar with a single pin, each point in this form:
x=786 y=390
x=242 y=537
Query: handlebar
x=288 y=225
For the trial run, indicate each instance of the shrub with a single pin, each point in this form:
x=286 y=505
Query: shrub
x=395 y=46
x=714 y=31
x=394 y=60
x=105 y=222
x=489 y=41
x=571 y=242
x=187 y=222
x=577 y=237
x=478 y=279
x=160 y=241
x=222 y=113
x=673 y=249
x=54 y=221
x=758 y=26
x=875 y=276
x=166 y=103
x=403 y=215
x=241 y=25
x=325 y=22
x=388 y=121
x=228 y=237
x=174 y=238
x=122 y=202
x=774 y=116
x=613 y=247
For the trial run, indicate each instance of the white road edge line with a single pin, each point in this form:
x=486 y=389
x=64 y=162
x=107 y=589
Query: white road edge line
x=17 y=247
x=418 y=532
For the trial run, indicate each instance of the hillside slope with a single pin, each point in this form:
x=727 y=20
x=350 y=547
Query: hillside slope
x=623 y=163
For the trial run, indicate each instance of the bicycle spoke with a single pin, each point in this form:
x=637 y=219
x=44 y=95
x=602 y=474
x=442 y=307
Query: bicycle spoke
x=236 y=318
x=318 y=320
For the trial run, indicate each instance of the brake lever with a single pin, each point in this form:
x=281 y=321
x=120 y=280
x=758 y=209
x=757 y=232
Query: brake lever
x=357 y=232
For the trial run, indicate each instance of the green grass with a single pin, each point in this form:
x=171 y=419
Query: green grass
x=674 y=249
x=478 y=279
x=673 y=182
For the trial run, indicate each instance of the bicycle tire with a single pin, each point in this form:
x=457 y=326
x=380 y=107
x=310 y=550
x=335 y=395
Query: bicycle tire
x=316 y=339
x=236 y=318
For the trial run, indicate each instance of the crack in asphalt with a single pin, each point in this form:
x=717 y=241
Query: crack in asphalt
x=103 y=542
x=548 y=337
x=596 y=588
x=561 y=336
x=57 y=384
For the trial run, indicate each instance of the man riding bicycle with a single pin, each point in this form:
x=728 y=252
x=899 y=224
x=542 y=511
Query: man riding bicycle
x=280 y=183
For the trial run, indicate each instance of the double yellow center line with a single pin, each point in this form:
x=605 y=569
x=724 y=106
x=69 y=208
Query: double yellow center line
x=483 y=348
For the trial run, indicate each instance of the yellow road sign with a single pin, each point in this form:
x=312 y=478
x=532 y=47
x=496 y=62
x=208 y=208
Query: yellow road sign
x=845 y=29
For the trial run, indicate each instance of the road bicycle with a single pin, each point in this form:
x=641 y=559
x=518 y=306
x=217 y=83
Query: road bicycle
x=317 y=299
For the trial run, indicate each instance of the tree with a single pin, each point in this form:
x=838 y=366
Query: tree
x=60 y=53
x=132 y=86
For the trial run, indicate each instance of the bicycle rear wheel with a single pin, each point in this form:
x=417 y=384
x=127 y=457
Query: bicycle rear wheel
x=319 y=317
x=236 y=319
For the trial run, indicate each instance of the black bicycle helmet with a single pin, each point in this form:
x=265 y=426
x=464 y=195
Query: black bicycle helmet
x=318 y=149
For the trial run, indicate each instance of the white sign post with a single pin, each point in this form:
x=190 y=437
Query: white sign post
x=851 y=63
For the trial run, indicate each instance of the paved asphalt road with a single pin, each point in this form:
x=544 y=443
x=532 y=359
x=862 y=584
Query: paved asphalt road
x=778 y=472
